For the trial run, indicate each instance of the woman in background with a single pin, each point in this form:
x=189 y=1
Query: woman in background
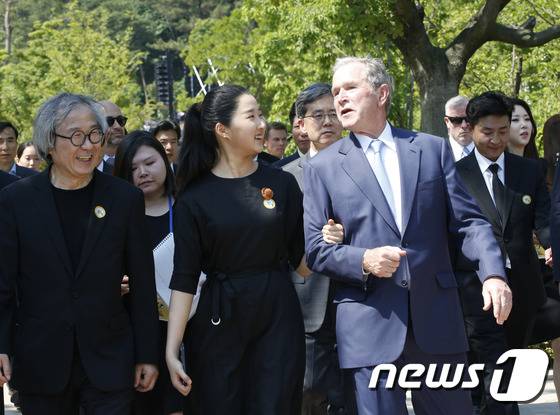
x=141 y=160
x=28 y=156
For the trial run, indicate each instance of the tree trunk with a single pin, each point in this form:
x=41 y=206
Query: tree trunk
x=7 y=26
x=435 y=87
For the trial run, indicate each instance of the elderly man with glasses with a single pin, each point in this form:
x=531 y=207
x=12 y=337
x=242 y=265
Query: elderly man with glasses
x=67 y=236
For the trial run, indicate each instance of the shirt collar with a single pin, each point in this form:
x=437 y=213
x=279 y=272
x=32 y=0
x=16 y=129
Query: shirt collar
x=12 y=170
x=455 y=144
x=484 y=163
x=386 y=137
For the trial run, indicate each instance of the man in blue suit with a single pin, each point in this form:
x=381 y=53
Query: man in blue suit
x=401 y=203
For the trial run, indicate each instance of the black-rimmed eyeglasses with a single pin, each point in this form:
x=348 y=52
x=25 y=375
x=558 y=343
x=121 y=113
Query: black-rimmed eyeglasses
x=320 y=117
x=78 y=137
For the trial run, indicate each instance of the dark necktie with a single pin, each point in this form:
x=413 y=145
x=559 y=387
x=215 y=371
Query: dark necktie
x=498 y=189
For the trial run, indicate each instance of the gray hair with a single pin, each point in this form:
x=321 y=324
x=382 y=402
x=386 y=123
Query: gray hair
x=376 y=74
x=53 y=112
x=309 y=95
x=455 y=102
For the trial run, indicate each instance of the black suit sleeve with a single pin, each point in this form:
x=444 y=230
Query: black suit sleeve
x=294 y=222
x=542 y=210
x=555 y=224
x=9 y=255
x=140 y=269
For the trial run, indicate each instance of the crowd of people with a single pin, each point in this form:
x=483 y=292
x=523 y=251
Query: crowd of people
x=200 y=270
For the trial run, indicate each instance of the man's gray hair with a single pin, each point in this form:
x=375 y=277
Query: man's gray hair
x=376 y=74
x=53 y=112
x=457 y=101
x=309 y=95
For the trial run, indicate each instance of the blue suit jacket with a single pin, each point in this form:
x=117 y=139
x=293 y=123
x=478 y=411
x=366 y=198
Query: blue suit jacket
x=372 y=318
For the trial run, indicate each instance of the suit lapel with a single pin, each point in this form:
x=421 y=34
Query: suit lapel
x=102 y=201
x=511 y=176
x=478 y=189
x=356 y=165
x=409 y=164
x=51 y=219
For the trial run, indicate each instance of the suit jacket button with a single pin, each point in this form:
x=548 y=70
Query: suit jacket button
x=404 y=283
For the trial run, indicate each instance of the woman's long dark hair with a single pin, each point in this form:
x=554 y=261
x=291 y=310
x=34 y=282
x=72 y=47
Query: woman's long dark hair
x=128 y=148
x=199 y=149
x=551 y=141
x=530 y=150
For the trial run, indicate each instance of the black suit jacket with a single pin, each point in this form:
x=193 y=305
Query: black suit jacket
x=46 y=308
x=6 y=179
x=282 y=162
x=266 y=158
x=527 y=210
x=555 y=224
x=23 y=172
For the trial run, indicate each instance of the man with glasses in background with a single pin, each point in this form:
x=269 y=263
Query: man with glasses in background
x=323 y=391
x=460 y=134
x=114 y=135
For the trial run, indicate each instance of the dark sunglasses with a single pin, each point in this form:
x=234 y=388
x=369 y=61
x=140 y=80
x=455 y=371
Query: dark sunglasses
x=121 y=119
x=456 y=120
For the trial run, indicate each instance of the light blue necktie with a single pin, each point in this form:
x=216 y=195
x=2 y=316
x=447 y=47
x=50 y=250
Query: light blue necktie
x=465 y=152
x=381 y=175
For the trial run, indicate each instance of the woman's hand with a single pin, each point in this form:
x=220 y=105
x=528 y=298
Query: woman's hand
x=125 y=288
x=180 y=380
x=333 y=233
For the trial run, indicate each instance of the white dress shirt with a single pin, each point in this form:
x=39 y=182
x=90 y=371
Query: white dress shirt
x=390 y=163
x=484 y=164
x=458 y=149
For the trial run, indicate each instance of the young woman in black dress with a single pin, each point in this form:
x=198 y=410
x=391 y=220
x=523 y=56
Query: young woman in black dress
x=240 y=223
x=141 y=160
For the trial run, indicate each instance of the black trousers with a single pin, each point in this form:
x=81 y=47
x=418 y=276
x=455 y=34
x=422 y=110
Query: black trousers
x=79 y=393
x=253 y=361
x=323 y=386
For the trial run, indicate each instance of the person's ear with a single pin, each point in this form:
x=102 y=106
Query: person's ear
x=383 y=93
x=222 y=131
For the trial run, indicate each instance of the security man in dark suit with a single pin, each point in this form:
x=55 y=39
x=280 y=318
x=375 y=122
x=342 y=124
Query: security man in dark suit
x=67 y=236
x=510 y=191
x=323 y=391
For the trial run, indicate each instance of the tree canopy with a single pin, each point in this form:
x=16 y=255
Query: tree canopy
x=433 y=48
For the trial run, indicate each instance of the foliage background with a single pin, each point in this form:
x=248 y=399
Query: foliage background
x=275 y=47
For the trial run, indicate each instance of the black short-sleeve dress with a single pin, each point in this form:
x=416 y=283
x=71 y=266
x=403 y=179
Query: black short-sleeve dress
x=245 y=346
